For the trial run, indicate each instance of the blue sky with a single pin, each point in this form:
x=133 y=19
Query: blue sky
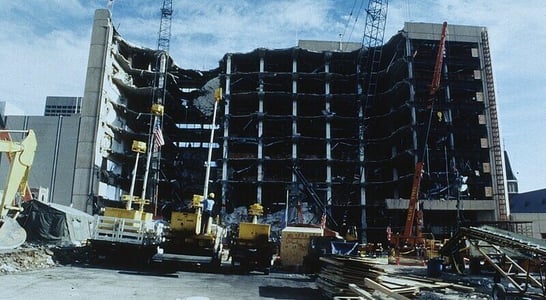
x=45 y=44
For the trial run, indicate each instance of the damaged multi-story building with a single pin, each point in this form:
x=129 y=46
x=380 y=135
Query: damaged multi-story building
x=293 y=130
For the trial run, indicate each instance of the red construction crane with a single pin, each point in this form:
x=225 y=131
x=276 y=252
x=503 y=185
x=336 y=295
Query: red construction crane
x=413 y=207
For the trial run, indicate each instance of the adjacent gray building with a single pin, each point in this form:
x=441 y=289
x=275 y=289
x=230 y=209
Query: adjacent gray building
x=55 y=158
x=62 y=106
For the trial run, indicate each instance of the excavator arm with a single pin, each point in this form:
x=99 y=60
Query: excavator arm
x=22 y=156
x=6 y=136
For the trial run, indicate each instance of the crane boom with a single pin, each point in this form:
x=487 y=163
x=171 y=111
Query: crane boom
x=413 y=207
x=438 y=66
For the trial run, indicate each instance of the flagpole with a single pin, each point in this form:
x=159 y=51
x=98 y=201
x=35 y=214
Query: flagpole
x=217 y=98
x=157 y=111
x=148 y=158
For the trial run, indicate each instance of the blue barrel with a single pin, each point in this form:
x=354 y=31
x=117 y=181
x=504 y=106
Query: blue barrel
x=435 y=266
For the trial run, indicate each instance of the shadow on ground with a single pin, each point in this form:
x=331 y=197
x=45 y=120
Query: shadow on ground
x=281 y=292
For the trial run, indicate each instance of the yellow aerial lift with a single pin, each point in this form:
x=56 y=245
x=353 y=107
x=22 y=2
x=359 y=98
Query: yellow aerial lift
x=122 y=230
x=252 y=249
x=185 y=239
x=21 y=156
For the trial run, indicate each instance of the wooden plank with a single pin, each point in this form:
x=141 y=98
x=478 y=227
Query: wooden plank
x=376 y=286
x=454 y=286
x=396 y=280
x=328 y=289
x=331 y=260
x=361 y=292
x=348 y=273
x=429 y=284
x=416 y=278
x=349 y=298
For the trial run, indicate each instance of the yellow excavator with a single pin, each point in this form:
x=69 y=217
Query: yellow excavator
x=21 y=156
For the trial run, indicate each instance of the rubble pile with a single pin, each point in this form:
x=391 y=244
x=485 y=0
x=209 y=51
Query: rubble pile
x=26 y=258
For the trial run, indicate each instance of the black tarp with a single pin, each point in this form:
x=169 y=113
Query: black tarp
x=55 y=224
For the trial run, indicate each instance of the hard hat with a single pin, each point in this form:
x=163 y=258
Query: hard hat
x=211 y=195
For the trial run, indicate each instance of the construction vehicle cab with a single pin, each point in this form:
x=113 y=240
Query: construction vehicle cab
x=21 y=156
x=186 y=240
x=120 y=230
x=252 y=248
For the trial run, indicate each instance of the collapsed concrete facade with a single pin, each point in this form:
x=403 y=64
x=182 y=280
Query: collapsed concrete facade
x=119 y=90
x=293 y=129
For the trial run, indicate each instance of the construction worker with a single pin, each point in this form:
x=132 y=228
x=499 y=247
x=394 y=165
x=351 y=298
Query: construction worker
x=208 y=204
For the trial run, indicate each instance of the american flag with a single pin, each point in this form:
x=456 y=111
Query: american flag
x=158 y=137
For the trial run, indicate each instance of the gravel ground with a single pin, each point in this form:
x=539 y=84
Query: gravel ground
x=38 y=257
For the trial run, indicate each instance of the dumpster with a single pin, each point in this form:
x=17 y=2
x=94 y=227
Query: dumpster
x=435 y=266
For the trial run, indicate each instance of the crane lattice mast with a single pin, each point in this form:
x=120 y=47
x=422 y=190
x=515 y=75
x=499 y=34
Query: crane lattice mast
x=368 y=63
x=164 y=38
x=372 y=42
x=156 y=139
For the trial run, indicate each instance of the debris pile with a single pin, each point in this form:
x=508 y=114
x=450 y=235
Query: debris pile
x=26 y=258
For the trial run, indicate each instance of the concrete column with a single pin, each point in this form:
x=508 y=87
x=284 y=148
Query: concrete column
x=411 y=96
x=363 y=215
x=225 y=152
x=294 y=112
x=328 y=136
x=260 y=175
x=85 y=174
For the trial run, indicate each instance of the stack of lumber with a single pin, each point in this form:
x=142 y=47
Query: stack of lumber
x=337 y=272
x=345 y=277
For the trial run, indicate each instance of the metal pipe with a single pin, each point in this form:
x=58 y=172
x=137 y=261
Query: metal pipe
x=148 y=158
x=209 y=158
x=132 y=189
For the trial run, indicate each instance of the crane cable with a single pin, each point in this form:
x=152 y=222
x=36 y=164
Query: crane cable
x=356 y=20
x=348 y=20
x=435 y=85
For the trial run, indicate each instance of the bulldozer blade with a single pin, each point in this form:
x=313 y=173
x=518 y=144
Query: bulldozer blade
x=12 y=235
